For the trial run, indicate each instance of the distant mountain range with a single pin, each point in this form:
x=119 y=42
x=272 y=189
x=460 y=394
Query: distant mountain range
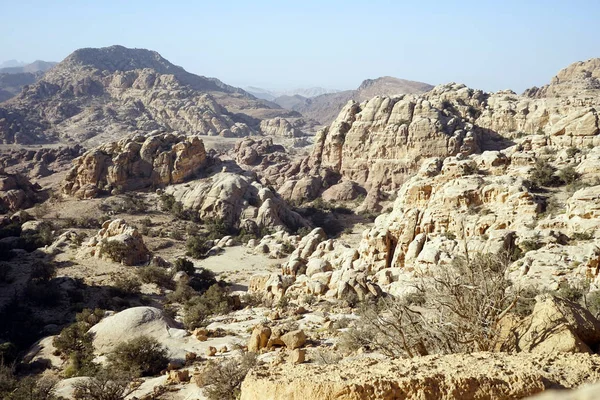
x=324 y=108
x=16 y=74
x=271 y=95
x=18 y=67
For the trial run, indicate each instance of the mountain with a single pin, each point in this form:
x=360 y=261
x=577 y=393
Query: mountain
x=34 y=67
x=11 y=64
x=271 y=95
x=324 y=108
x=99 y=94
x=12 y=84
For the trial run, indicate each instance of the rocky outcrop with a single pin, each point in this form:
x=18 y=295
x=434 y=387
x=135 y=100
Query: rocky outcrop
x=135 y=163
x=239 y=201
x=97 y=95
x=321 y=267
x=17 y=192
x=555 y=325
x=459 y=376
x=380 y=142
x=280 y=127
x=117 y=241
x=259 y=153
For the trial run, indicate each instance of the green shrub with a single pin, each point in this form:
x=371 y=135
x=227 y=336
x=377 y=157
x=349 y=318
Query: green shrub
x=582 y=236
x=157 y=275
x=75 y=344
x=572 y=151
x=125 y=285
x=568 y=175
x=214 y=301
x=115 y=250
x=26 y=388
x=543 y=174
x=106 y=384
x=183 y=293
x=202 y=280
x=197 y=246
x=185 y=265
x=43 y=271
x=142 y=356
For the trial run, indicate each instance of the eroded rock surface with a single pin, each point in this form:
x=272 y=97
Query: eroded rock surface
x=457 y=376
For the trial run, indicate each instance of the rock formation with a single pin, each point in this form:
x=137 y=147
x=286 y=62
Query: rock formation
x=135 y=163
x=237 y=200
x=280 y=127
x=17 y=192
x=117 y=241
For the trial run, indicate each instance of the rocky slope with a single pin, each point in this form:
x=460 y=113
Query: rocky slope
x=12 y=84
x=325 y=107
x=96 y=95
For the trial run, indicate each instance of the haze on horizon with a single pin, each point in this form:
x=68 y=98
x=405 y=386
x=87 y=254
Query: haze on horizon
x=335 y=44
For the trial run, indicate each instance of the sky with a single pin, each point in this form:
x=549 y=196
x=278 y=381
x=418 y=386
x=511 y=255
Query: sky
x=489 y=45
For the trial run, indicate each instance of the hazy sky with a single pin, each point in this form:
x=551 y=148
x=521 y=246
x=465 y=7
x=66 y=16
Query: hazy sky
x=489 y=45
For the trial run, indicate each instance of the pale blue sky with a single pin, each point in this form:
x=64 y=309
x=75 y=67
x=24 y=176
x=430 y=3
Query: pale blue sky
x=489 y=45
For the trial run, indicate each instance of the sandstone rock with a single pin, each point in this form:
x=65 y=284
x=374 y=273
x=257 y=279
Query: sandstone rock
x=298 y=356
x=236 y=199
x=586 y=392
x=259 y=339
x=130 y=324
x=343 y=191
x=555 y=325
x=279 y=127
x=294 y=339
x=95 y=95
x=211 y=351
x=177 y=377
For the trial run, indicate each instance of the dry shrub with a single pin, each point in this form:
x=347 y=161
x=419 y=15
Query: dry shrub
x=462 y=304
x=226 y=377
